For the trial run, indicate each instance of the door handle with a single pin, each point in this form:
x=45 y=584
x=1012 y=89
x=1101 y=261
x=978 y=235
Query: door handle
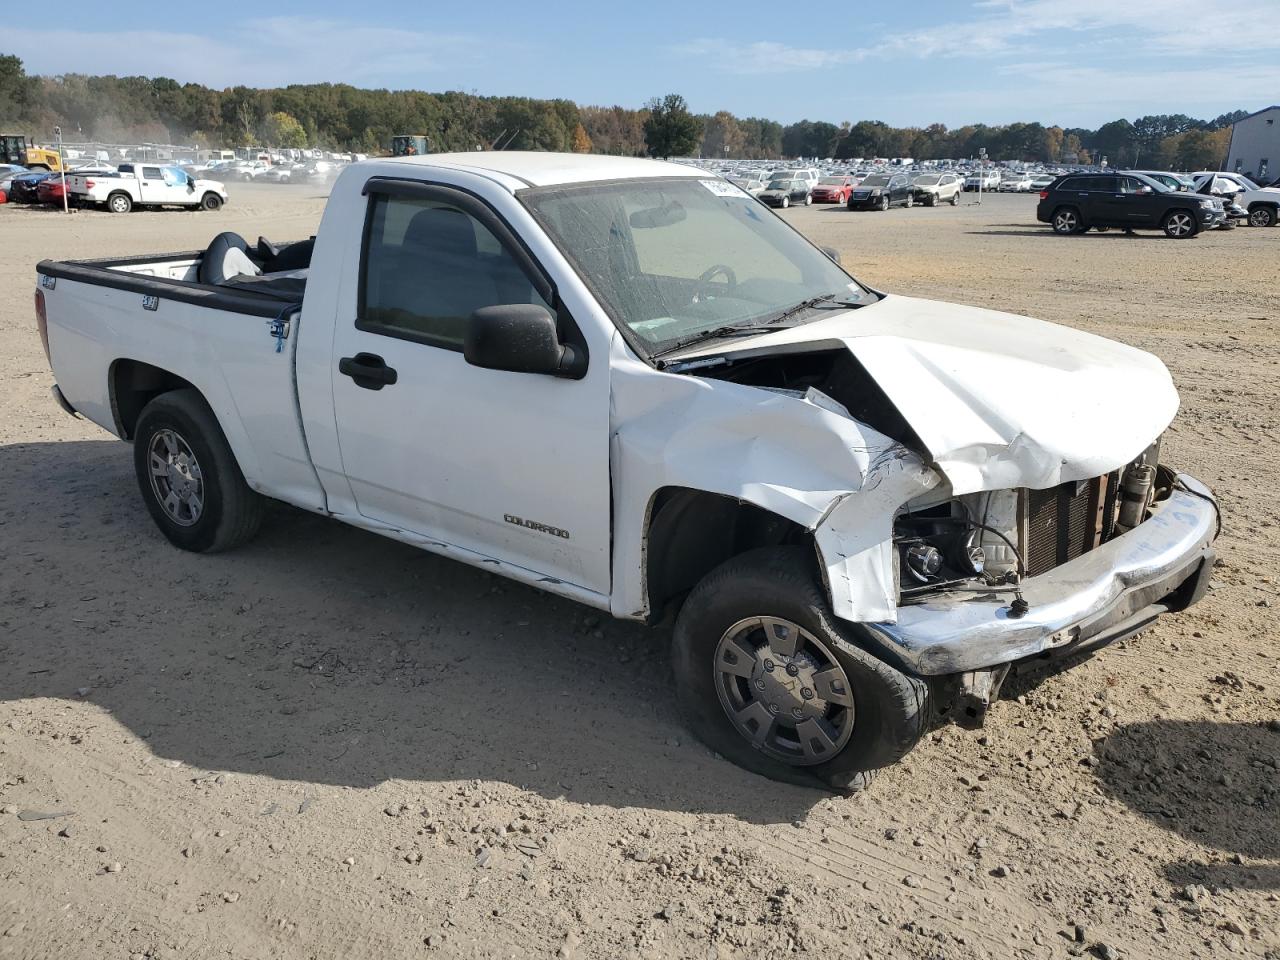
x=368 y=370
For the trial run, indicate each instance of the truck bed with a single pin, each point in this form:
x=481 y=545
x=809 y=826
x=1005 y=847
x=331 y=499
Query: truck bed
x=115 y=324
x=174 y=276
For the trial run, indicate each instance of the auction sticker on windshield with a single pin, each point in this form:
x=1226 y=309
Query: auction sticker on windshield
x=722 y=189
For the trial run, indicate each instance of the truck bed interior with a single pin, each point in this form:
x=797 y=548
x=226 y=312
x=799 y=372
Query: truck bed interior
x=230 y=274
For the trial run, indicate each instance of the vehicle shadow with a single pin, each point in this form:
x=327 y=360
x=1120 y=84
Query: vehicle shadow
x=323 y=654
x=1212 y=783
x=1042 y=230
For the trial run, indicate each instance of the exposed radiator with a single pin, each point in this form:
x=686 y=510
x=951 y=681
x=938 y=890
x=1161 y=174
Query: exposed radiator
x=1063 y=522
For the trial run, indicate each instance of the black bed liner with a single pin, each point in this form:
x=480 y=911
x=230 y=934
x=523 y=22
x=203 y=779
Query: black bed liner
x=243 y=298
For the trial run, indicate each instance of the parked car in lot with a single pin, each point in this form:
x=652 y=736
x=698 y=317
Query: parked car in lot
x=833 y=190
x=50 y=191
x=1016 y=183
x=1167 y=179
x=786 y=193
x=988 y=180
x=750 y=185
x=144 y=185
x=1041 y=182
x=932 y=189
x=710 y=417
x=1262 y=203
x=1077 y=202
x=22 y=188
x=881 y=191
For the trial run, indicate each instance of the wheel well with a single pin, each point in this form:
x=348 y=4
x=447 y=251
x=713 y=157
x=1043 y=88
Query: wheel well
x=1265 y=203
x=133 y=385
x=691 y=532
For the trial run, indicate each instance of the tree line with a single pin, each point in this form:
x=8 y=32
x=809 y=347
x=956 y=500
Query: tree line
x=343 y=117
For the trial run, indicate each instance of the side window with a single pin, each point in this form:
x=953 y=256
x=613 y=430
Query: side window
x=427 y=266
x=1127 y=185
x=151 y=173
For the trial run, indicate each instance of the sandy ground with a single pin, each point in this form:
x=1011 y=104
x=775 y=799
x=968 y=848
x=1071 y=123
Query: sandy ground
x=330 y=745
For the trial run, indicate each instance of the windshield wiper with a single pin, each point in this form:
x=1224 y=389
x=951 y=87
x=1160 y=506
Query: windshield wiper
x=719 y=333
x=825 y=301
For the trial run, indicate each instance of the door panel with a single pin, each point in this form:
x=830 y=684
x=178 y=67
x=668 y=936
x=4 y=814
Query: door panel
x=512 y=466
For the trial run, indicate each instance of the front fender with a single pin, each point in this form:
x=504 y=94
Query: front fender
x=833 y=475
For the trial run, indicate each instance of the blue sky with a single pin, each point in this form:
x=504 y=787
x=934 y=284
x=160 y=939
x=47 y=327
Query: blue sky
x=1072 y=62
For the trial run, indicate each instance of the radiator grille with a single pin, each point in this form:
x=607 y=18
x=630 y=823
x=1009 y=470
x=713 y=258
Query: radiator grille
x=1063 y=522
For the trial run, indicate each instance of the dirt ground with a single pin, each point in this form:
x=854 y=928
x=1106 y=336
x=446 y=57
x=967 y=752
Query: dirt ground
x=330 y=745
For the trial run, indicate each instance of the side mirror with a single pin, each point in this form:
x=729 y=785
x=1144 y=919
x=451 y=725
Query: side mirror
x=520 y=338
x=832 y=252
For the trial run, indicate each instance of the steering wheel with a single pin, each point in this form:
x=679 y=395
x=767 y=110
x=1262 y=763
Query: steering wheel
x=704 y=282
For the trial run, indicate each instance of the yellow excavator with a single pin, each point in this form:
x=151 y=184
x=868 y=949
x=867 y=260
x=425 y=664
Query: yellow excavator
x=15 y=148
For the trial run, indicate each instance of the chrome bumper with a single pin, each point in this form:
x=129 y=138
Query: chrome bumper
x=1104 y=595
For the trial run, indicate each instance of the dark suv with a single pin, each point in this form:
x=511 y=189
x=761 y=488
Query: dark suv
x=1131 y=201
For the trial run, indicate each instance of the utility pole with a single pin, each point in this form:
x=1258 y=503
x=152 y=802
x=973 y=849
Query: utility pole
x=62 y=166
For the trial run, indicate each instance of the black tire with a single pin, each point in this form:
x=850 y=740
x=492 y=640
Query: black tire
x=230 y=512
x=955 y=199
x=1262 y=215
x=909 y=202
x=931 y=200
x=210 y=201
x=808 y=199
x=884 y=203
x=1102 y=229
x=1066 y=221
x=891 y=710
x=119 y=203
x=786 y=202
x=1180 y=225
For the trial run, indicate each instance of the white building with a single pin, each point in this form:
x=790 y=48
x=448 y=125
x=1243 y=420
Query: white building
x=1255 y=145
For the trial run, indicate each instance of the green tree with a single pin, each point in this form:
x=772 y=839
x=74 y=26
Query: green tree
x=670 y=130
x=16 y=90
x=721 y=136
x=283 y=130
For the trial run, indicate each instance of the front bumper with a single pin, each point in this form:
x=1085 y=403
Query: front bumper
x=1108 y=593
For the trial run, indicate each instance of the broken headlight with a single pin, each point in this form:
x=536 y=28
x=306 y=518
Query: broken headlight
x=938 y=549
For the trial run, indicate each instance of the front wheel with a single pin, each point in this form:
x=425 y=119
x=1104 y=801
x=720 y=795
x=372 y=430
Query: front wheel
x=189 y=477
x=1067 y=221
x=1262 y=216
x=786 y=202
x=808 y=200
x=1179 y=225
x=210 y=201
x=769 y=679
x=884 y=204
x=955 y=199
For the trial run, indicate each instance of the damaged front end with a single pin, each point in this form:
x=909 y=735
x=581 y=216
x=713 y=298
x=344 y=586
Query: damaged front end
x=957 y=557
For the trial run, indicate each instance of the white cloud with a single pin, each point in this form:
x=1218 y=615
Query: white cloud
x=1097 y=29
x=271 y=51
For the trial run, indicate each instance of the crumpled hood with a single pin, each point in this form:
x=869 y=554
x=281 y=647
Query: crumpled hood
x=1000 y=400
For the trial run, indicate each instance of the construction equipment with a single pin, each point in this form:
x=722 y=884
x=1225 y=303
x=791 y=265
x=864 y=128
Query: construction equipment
x=16 y=148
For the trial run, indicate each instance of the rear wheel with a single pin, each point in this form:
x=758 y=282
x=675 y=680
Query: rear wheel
x=189 y=477
x=1262 y=215
x=1066 y=220
x=769 y=679
x=119 y=203
x=1179 y=224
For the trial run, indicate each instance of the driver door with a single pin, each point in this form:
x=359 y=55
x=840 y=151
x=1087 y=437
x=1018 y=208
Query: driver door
x=509 y=467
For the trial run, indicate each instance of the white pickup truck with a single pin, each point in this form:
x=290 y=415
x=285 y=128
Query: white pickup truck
x=1263 y=203
x=145 y=185
x=628 y=383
